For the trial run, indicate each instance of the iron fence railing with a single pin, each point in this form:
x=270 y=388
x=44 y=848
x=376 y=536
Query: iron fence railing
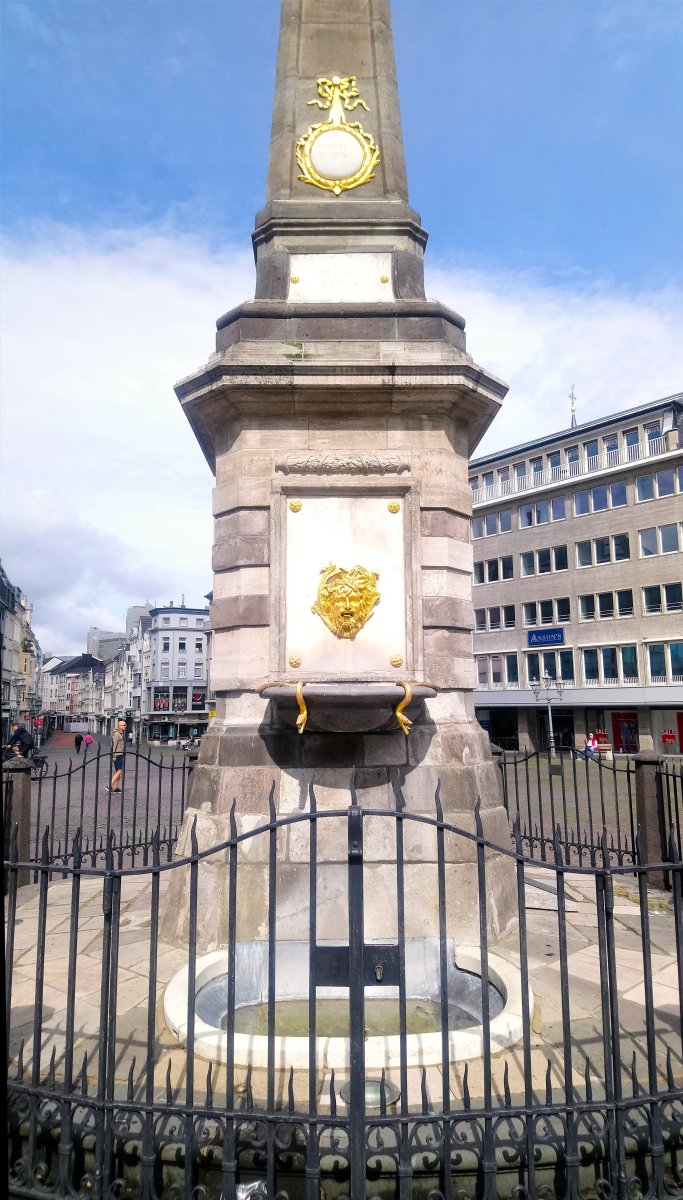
x=151 y=801
x=577 y=801
x=571 y=1089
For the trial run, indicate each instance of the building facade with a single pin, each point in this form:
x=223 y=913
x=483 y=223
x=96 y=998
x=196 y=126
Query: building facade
x=21 y=659
x=174 y=675
x=578 y=575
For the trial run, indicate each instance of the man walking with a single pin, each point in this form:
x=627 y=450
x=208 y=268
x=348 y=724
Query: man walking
x=78 y=742
x=118 y=749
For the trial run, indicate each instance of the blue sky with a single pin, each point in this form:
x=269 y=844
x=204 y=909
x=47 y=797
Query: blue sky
x=543 y=143
x=543 y=136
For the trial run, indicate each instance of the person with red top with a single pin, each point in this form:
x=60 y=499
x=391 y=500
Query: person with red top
x=590 y=747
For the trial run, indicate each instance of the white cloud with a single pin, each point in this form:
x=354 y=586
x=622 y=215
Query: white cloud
x=105 y=493
x=618 y=350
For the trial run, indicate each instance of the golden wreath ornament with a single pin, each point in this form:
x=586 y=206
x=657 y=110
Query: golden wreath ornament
x=337 y=155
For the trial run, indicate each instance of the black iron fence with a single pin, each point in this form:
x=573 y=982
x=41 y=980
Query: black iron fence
x=151 y=803
x=544 y=1059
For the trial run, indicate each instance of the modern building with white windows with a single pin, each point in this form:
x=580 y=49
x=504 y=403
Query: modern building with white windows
x=578 y=575
x=175 y=673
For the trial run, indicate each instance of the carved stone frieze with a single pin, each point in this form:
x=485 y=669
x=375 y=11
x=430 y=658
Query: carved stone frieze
x=335 y=462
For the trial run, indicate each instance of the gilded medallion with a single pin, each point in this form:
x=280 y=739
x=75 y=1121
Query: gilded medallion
x=337 y=155
x=346 y=599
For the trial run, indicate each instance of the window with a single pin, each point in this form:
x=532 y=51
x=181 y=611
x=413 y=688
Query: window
x=520 y=470
x=487 y=479
x=491 y=524
x=554 y=460
x=550 y=664
x=509 y=616
x=648 y=542
x=543 y=557
x=505 y=520
x=482 y=671
x=625 y=603
x=182 y=644
x=572 y=454
x=496 y=669
x=645 y=487
x=605 y=604
x=609 y=662
x=536 y=465
x=665 y=483
x=669 y=538
x=673 y=594
x=165 y=645
x=474 y=482
x=477 y=528
x=587 y=608
x=198 y=670
x=478 y=572
x=494 y=618
x=610 y=444
x=182 y=669
x=557 y=508
x=622 y=547
x=182 y=621
x=479 y=619
x=567 y=665
x=591 y=448
x=529 y=611
x=511 y=668
x=581 y=503
x=526 y=516
x=602 y=550
x=165 y=620
x=599 y=496
x=629 y=662
x=584 y=554
x=618 y=494
x=503 y=474
x=527 y=562
x=631 y=437
x=199 y=622
x=164 y=671
x=532 y=667
x=676 y=655
x=542 y=512
x=546 y=611
x=492 y=570
x=199 y=646
x=657 y=660
x=560 y=560
x=506 y=567
x=563 y=611
x=652 y=431
x=652 y=599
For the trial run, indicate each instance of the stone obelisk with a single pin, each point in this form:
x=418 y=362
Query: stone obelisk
x=338 y=413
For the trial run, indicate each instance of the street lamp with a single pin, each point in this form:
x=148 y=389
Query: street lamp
x=552 y=688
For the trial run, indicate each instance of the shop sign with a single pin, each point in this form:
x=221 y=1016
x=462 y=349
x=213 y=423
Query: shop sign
x=198 y=701
x=545 y=637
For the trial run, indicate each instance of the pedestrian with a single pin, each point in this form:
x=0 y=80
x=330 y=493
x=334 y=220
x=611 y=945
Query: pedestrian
x=21 y=741
x=78 y=742
x=118 y=749
x=88 y=742
x=589 y=748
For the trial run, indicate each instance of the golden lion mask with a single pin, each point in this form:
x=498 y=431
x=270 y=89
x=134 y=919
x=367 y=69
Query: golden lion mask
x=346 y=599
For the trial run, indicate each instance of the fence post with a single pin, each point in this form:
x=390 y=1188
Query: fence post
x=18 y=771
x=649 y=814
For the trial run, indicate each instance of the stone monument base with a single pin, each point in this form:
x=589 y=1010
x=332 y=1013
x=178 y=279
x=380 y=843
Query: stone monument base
x=245 y=765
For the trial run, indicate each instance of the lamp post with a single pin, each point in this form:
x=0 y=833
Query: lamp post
x=552 y=688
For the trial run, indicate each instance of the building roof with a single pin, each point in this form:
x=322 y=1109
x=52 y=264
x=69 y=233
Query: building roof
x=78 y=665
x=641 y=410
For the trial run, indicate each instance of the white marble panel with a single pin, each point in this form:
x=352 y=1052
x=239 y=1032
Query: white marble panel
x=330 y=278
x=347 y=531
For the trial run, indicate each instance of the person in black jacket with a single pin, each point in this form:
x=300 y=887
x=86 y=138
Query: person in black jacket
x=21 y=741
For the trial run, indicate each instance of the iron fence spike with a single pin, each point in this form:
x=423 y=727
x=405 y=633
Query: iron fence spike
x=131 y=1074
x=194 y=844
x=671 y=1083
x=312 y=802
x=20 y=1062
x=169 y=1089
x=549 y=1084
x=437 y=801
x=290 y=1090
x=423 y=1090
x=354 y=797
x=271 y=802
x=382 y=1094
x=634 y=1076
x=209 y=1087
x=466 y=1087
x=506 y=1085
x=333 y=1095
x=84 y=1075
x=588 y=1081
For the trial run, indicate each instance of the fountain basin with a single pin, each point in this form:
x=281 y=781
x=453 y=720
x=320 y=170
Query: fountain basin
x=355 y=706
x=382 y=1049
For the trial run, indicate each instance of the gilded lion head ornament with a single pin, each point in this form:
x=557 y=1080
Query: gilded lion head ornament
x=346 y=599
